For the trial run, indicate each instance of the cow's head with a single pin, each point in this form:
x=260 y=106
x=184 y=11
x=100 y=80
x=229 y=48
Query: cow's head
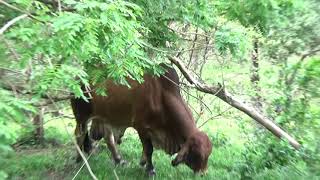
x=195 y=152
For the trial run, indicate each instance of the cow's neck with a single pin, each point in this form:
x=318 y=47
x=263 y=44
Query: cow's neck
x=170 y=141
x=179 y=125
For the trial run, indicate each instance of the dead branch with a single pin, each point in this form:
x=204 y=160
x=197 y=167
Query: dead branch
x=22 y=11
x=46 y=100
x=224 y=95
x=11 y=22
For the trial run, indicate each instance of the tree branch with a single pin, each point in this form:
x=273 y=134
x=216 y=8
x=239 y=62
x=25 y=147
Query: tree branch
x=47 y=101
x=224 y=95
x=11 y=22
x=22 y=11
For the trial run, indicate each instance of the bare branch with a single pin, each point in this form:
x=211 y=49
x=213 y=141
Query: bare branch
x=234 y=102
x=22 y=11
x=209 y=119
x=11 y=22
x=47 y=101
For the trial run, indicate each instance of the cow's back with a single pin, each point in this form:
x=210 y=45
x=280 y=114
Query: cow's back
x=123 y=106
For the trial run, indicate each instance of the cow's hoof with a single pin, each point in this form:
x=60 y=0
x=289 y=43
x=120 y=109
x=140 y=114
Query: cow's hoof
x=121 y=162
x=151 y=172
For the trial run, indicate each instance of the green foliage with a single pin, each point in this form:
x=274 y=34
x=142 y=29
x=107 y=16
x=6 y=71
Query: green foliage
x=309 y=79
x=159 y=14
x=12 y=109
x=265 y=152
x=102 y=37
x=233 y=38
x=263 y=14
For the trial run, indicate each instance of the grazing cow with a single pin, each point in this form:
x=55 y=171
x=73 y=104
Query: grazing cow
x=156 y=110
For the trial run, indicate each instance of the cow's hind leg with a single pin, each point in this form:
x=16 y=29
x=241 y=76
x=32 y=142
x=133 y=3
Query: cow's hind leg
x=110 y=140
x=82 y=111
x=82 y=139
x=147 y=154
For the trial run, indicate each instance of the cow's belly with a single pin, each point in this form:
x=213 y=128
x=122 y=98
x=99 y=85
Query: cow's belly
x=114 y=114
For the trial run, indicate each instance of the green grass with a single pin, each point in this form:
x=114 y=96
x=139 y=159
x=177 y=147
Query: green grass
x=58 y=162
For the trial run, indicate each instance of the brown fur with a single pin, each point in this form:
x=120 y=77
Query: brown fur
x=157 y=111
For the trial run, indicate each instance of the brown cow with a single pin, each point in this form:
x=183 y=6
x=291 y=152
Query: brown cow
x=156 y=110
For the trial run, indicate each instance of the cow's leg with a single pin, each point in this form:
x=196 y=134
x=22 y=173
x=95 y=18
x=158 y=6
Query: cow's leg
x=143 y=159
x=119 y=136
x=82 y=139
x=110 y=140
x=147 y=154
x=82 y=112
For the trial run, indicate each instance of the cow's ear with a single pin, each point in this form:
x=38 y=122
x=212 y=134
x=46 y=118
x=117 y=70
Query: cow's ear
x=181 y=156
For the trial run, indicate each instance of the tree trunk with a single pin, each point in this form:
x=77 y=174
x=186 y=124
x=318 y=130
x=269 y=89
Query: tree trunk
x=255 y=78
x=38 y=124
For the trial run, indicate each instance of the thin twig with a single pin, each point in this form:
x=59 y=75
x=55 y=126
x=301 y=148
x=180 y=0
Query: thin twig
x=206 y=50
x=209 y=119
x=83 y=164
x=193 y=48
x=115 y=173
x=187 y=92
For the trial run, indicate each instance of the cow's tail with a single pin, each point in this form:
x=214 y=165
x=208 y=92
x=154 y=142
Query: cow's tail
x=97 y=130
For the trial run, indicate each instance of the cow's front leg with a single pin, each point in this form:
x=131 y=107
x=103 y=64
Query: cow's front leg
x=109 y=138
x=147 y=155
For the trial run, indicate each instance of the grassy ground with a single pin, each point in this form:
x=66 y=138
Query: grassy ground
x=58 y=162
